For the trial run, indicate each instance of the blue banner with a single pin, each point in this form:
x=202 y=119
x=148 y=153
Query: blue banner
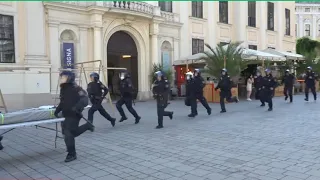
x=166 y=63
x=68 y=55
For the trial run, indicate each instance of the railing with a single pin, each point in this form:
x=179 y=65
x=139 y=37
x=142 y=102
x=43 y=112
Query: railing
x=128 y=5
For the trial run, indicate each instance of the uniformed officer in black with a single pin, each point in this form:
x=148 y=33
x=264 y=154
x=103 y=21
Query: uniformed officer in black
x=190 y=94
x=199 y=84
x=161 y=88
x=258 y=87
x=268 y=86
x=225 y=85
x=126 y=90
x=95 y=89
x=310 y=83
x=73 y=99
x=288 y=81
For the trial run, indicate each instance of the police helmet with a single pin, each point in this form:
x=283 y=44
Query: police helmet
x=196 y=70
x=224 y=70
x=267 y=70
x=287 y=70
x=70 y=76
x=309 y=68
x=95 y=76
x=159 y=73
x=189 y=75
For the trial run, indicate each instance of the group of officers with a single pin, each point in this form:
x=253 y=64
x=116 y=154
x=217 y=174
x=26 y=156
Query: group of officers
x=73 y=99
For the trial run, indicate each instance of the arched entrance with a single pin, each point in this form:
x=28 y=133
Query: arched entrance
x=121 y=52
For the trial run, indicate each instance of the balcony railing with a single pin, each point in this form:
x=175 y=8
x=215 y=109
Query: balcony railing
x=136 y=6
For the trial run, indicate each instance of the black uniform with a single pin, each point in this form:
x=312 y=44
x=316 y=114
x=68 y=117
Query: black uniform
x=198 y=86
x=96 y=97
x=73 y=99
x=288 y=81
x=268 y=86
x=126 y=91
x=310 y=84
x=225 y=85
x=160 y=92
x=191 y=97
x=258 y=88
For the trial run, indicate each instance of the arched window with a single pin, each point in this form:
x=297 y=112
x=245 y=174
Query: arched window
x=68 y=55
x=166 y=55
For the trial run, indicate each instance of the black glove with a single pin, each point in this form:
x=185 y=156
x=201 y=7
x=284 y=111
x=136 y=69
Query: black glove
x=56 y=114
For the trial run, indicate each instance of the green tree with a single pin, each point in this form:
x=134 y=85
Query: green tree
x=229 y=57
x=310 y=50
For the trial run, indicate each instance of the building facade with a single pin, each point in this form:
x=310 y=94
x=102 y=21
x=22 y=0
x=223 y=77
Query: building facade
x=308 y=20
x=36 y=36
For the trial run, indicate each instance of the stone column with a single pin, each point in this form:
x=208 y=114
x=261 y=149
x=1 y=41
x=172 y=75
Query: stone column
x=281 y=25
x=154 y=43
x=212 y=25
x=314 y=27
x=55 y=58
x=176 y=50
x=96 y=20
x=241 y=20
x=35 y=34
x=301 y=26
x=83 y=44
x=263 y=25
x=185 y=39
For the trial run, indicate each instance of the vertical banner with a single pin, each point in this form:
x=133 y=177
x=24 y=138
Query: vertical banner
x=166 y=63
x=68 y=55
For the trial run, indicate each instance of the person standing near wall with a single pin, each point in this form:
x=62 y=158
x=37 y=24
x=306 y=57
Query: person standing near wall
x=250 y=81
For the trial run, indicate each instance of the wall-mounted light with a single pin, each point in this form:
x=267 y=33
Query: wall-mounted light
x=126 y=56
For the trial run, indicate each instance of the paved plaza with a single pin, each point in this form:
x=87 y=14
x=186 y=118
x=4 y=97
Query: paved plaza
x=246 y=143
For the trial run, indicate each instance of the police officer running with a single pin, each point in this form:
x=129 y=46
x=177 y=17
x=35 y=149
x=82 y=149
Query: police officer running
x=288 y=81
x=199 y=84
x=73 y=100
x=310 y=84
x=95 y=88
x=190 y=94
x=160 y=91
x=225 y=85
x=268 y=86
x=258 y=87
x=126 y=90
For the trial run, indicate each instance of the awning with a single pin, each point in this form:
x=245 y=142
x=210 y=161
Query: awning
x=284 y=54
x=250 y=54
x=193 y=59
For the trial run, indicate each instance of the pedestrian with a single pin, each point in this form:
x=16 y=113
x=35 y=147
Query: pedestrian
x=190 y=94
x=199 y=84
x=258 y=87
x=310 y=83
x=126 y=91
x=161 y=88
x=97 y=92
x=268 y=86
x=73 y=100
x=225 y=85
x=288 y=81
x=250 y=81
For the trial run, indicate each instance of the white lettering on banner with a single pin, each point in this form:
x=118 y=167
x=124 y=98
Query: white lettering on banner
x=69 y=56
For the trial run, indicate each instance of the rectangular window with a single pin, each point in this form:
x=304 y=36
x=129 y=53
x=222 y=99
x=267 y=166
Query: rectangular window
x=287 y=15
x=197 y=46
x=252 y=14
x=307 y=10
x=254 y=47
x=7 y=51
x=307 y=30
x=270 y=16
x=197 y=9
x=223 y=12
x=165 y=6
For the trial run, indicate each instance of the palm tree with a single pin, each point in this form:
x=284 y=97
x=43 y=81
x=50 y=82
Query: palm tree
x=229 y=57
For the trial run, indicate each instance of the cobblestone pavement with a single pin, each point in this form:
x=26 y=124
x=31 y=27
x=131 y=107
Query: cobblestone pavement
x=246 y=143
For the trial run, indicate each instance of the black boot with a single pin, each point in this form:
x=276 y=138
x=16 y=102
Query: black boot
x=306 y=99
x=192 y=115
x=123 y=119
x=270 y=109
x=90 y=127
x=137 y=120
x=171 y=115
x=262 y=105
x=209 y=111
x=286 y=98
x=113 y=122
x=159 y=127
x=223 y=111
x=71 y=157
x=1 y=147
